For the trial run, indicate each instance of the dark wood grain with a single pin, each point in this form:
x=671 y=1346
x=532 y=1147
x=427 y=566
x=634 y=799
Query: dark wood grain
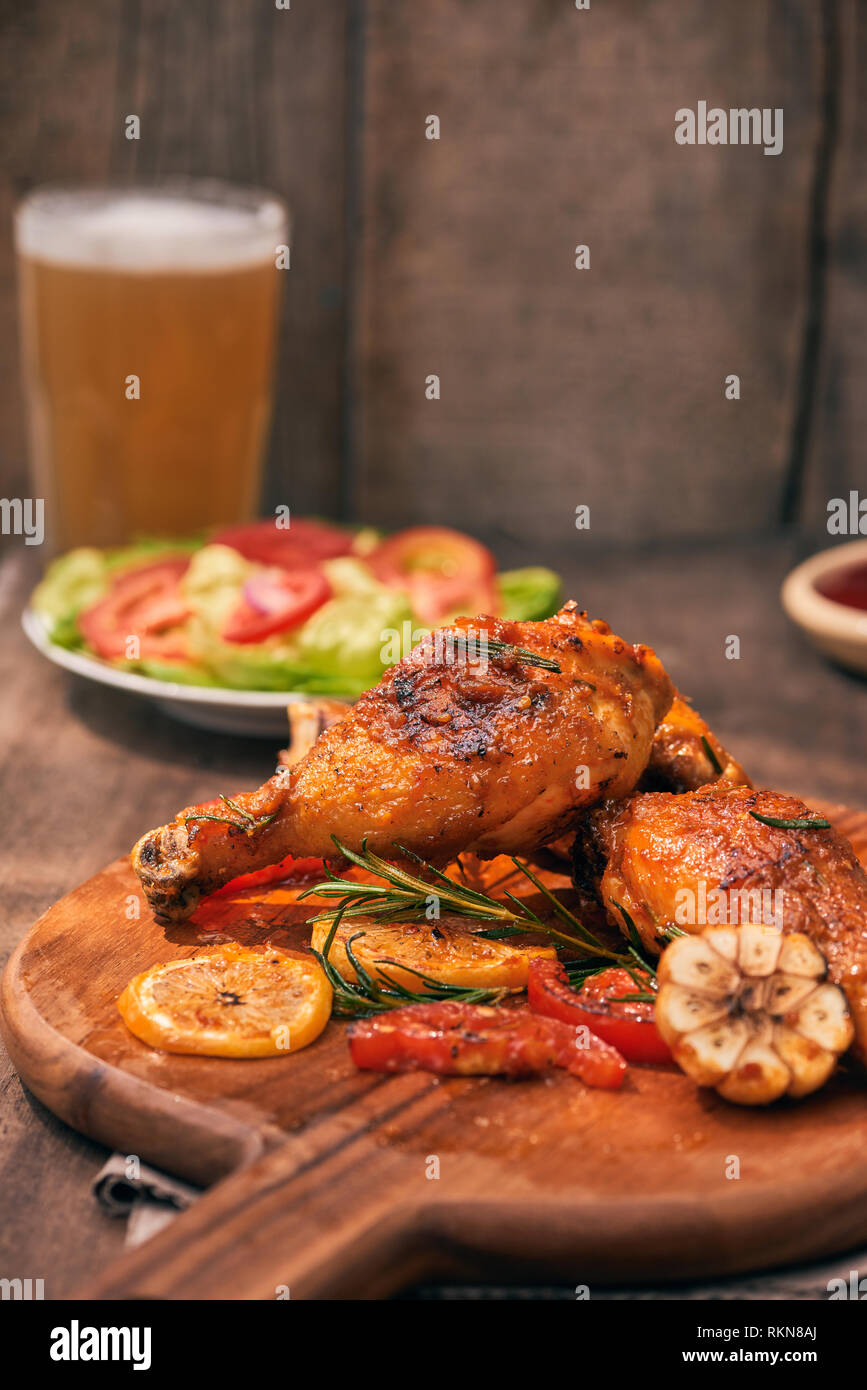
x=223 y=89
x=559 y=386
x=835 y=461
x=330 y=1192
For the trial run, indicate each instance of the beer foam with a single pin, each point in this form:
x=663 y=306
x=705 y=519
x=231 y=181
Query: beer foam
x=210 y=227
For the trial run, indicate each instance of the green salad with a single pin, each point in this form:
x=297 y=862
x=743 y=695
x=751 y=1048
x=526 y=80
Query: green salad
x=311 y=607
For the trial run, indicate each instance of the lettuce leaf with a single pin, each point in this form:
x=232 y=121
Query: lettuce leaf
x=529 y=594
x=79 y=579
x=71 y=583
x=339 y=650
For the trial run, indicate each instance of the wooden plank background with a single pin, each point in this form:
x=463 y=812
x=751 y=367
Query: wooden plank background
x=559 y=387
x=836 y=456
x=602 y=386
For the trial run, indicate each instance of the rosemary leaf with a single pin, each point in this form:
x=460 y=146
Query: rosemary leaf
x=797 y=823
x=631 y=929
x=239 y=810
x=711 y=756
x=248 y=824
x=585 y=937
x=223 y=820
x=500 y=933
x=476 y=644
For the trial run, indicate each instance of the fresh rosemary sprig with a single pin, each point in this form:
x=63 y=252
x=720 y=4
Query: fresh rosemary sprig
x=527 y=658
x=368 y=996
x=247 y=823
x=712 y=757
x=631 y=929
x=796 y=823
x=479 y=646
x=403 y=896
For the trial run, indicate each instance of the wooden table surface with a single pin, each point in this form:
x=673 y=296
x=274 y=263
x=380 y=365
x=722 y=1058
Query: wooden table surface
x=86 y=769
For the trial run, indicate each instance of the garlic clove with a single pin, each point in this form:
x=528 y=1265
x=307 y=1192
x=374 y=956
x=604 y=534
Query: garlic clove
x=691 y=961
x=786 y=992
x=685 y=1010
x=758 y=1077
x=708 y=1054
x=800 y=957
x=810 y=1064
x=824 y=1018
x=759 y=949
x=724 y=940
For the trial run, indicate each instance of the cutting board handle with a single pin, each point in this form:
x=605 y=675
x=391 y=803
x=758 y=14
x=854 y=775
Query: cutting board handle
x=330 y=1213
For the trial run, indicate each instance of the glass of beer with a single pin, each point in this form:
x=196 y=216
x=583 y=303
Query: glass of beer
x=148 y=324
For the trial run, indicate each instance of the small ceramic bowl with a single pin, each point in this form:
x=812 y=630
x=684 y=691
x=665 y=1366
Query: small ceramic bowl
x=836 y=629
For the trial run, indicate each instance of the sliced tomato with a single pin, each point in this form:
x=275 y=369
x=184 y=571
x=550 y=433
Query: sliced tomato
x=625 y=1023
x=146 y=603
x=275 y=601
x=457 y=1039
x=301 y=545
x=445 y=573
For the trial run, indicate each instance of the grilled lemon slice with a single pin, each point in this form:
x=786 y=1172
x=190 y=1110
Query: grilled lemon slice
x=232 y=1001
x=447 y=951
x=750 y=1012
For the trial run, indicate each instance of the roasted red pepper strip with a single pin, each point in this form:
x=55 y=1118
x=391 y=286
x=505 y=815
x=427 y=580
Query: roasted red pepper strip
x=627 y=1024
x=473 y=1040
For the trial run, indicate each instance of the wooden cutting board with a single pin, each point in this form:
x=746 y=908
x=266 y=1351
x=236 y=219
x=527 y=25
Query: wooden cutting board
x=335 y=1183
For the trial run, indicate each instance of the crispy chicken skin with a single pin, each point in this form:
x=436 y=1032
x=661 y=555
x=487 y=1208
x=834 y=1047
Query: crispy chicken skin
x=679 y=760
x=666 y=854
x=445 y=755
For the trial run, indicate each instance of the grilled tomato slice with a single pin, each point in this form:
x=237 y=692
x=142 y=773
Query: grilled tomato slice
x=301 y=545
x=447 y=951
x=443 y=571
x=146 y=603
x=474 y=1040
x=232 y=1001
x=275 y=601
x=627 y=1024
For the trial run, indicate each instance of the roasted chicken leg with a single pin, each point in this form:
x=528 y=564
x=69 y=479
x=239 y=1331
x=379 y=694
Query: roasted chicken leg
x=686 y=755
x=707 y=858
x=460 y=747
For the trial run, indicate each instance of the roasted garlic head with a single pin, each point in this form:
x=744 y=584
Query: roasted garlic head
x=749 y=1011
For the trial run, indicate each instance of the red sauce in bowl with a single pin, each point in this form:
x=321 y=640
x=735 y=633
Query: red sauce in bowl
x=847 y=586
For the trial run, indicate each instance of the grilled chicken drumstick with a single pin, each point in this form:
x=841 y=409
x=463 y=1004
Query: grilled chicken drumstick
x=450 y=752
x=686 y=755
x=711 y=855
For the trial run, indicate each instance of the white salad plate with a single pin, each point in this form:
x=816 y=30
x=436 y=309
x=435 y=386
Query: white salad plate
x=254 y=713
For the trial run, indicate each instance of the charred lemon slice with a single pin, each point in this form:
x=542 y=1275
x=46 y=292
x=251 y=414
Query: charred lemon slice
x=447 y=951
x=232 y=1001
